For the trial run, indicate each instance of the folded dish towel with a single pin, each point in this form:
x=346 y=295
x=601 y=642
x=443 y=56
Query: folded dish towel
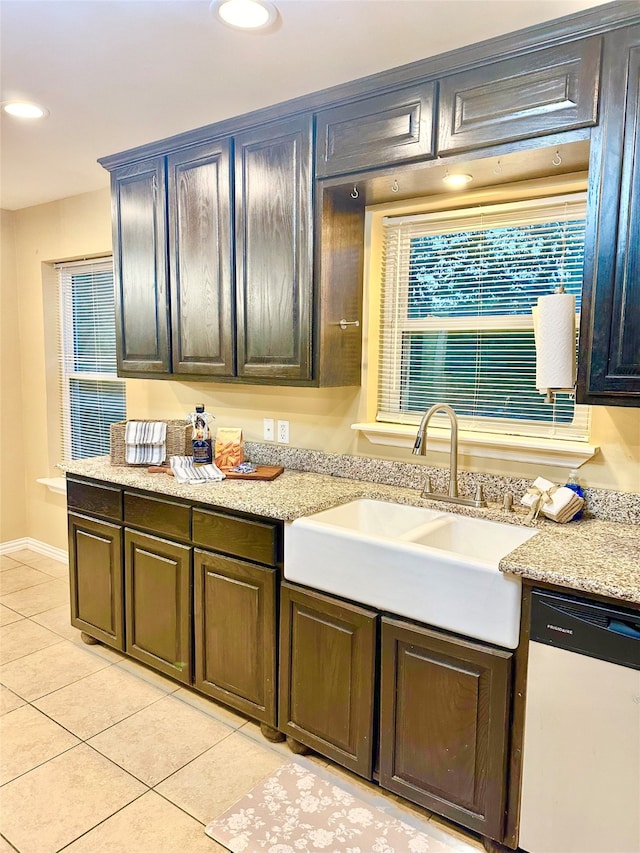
x=555 y=502
x=186 y=472
x=145 y=442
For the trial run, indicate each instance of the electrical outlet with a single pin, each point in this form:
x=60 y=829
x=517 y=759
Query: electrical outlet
x=283 y=432
x=268 y=429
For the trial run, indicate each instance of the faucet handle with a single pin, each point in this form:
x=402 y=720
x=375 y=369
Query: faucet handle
x=479 y=492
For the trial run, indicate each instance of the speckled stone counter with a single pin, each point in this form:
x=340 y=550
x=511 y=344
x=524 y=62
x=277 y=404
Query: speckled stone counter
x=591 y=555
x=595 y=556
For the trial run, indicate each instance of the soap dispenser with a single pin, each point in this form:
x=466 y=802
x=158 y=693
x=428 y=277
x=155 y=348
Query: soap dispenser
x=573 y=483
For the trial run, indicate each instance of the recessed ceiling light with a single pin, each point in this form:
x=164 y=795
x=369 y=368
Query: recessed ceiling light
x=245 y=14
x=24 y=109
x=456 y=182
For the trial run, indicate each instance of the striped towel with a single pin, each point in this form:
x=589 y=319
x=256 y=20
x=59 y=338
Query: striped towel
x=186 y=472
x=145 y=442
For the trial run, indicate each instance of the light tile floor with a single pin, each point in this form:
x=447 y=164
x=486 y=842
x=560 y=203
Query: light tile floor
x=99 y=754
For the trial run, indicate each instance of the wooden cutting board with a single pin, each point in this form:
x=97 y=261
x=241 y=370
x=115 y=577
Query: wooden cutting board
x=262 y=472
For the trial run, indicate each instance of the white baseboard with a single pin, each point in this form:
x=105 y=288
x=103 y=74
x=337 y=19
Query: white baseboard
x=34 y=545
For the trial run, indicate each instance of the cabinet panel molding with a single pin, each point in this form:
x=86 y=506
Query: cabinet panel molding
x=274 y=250
x=379 y=131
x=235 y=633
x=200 y=259
x=138 y=194
x=542 y=92
x=327 y=676
x=95 y=577
x=444 y=713
x=158 y=603
x=609 y=361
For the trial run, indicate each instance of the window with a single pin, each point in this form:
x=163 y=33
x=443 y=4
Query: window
x=456 y=325
x=92 y=396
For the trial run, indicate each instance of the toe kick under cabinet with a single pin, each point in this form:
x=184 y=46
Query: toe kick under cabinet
x=188 y=590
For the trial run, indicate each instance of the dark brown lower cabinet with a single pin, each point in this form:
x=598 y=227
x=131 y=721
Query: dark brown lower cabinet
x=235 y=633
x=443 y=724
x=327 y=676
x=158 y=603
x=95 y=563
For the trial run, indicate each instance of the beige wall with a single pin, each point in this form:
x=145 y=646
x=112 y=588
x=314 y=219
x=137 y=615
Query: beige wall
x=12 y=479
x=70 y=228
x=319 y=418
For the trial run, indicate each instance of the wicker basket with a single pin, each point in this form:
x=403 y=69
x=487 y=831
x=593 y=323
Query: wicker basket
x=178 y=441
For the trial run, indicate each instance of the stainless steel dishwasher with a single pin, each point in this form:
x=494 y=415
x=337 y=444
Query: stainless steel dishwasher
x=581 y=760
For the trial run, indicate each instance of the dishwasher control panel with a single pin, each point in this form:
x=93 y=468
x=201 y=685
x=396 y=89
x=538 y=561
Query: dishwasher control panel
x=588 y=628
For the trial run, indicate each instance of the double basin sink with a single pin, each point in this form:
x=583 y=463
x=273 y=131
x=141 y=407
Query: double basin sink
x=431 y=566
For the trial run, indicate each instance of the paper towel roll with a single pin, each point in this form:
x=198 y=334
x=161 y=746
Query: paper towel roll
x=554 y=326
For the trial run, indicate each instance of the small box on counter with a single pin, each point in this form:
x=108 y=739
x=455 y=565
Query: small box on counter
x=229 y=450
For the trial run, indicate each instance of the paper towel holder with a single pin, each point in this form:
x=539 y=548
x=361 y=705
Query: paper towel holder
x=551 y=393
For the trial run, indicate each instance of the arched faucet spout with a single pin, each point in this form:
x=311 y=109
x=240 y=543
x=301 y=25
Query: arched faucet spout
x=420 y=447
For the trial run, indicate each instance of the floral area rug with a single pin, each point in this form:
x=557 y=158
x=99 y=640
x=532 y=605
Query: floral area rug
x=295 y=810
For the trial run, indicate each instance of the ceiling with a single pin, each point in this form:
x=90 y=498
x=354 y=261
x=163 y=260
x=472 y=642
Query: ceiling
x=119 y=73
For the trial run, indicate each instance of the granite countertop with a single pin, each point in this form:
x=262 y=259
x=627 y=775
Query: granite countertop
x=590 y=555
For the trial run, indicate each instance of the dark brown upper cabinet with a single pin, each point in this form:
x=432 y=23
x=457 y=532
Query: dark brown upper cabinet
x=609 y=364
x=541 y=92
x=138 y=201
x=201 y=259
x=444 y=718
x=274 y=250
x=380 y=131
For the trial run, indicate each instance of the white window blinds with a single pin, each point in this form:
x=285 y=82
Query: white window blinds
x=456 y=324
x=91 y=395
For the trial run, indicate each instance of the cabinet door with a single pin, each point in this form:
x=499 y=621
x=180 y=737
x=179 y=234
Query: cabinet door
x=138 y=199
x=378 y=131
x=444 y=716
x=327 y=676
x=542 y=92
x=274 y=255
x=609 y=363
x=158 y=603
x=95 y=575
x=235 y=634
x=200 y=259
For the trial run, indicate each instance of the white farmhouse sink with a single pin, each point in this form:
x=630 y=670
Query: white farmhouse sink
x=427 y=565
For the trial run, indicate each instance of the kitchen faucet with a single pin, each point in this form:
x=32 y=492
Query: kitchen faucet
x=419 y=450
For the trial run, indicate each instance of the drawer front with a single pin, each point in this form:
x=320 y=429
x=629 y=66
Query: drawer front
x=160 y=516
x=240 y=537
x=543 y=92
x=95 y=499
x=376 y=132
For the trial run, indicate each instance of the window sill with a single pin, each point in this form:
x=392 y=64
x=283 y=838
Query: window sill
x=57 y=485
x=562 y=454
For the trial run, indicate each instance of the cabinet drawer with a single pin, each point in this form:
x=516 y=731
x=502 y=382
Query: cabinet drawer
x=95 y=499
x=241 y=537
x=543 y=92
x=377 y=131
x=160 y=516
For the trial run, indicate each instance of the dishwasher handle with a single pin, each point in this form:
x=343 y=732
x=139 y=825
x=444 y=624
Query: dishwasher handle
x=628 y=629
